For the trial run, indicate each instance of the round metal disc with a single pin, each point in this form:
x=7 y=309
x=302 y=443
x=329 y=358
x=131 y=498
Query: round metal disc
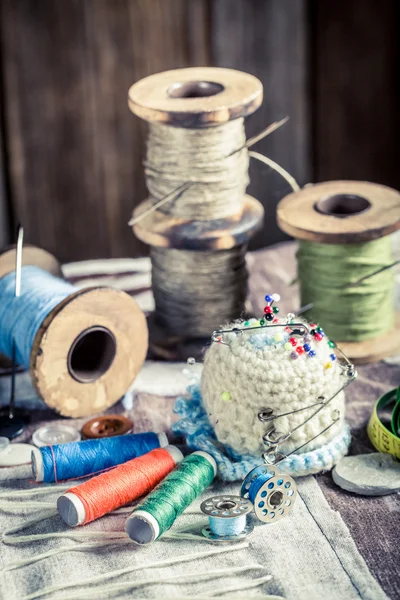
x=368 y=474
x=226 y=506
x=275 y=498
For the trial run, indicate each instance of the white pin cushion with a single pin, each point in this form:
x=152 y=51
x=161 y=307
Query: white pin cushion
x=247 y=371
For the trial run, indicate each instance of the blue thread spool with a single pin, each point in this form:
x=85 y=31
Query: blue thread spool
x=227 y=518
x=84 y=347
x=273 y=493
x=78 y=459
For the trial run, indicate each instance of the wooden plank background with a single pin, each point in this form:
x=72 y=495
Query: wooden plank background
x=73 y=152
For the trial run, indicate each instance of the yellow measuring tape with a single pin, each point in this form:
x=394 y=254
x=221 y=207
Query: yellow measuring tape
x=386 y=438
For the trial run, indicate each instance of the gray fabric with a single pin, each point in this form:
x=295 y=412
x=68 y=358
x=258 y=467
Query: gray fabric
x=310 y=554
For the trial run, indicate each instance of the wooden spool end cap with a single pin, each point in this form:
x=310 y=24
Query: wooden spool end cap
x=355 y=212
x=162 y=230
x=196 y=96
x=88 y=351
x=378 y=348
x=31 y=256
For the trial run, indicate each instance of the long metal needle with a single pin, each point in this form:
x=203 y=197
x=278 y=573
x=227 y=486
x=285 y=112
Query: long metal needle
x=17 y=293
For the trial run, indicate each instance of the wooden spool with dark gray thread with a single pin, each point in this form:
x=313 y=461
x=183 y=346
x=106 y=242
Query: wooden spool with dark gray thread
x=194 y=98
x=346 y=212
x=89 y=348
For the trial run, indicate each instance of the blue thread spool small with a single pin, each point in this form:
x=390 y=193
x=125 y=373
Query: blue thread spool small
x=227 y=518
x=273 y=493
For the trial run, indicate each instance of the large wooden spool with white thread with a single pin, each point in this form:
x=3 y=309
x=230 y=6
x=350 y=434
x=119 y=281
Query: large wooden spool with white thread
x=89 y=349
x=346 y=212
x=193 y=98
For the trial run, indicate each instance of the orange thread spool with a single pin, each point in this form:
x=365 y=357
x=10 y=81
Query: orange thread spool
x=117 y=487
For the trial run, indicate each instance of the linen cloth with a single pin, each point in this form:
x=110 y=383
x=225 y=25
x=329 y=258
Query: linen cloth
x=310 y=554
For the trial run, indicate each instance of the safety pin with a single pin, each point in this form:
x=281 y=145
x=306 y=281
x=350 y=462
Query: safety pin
x=272 y=457
x=266 y=415
x=270 y=440
x=297 y=329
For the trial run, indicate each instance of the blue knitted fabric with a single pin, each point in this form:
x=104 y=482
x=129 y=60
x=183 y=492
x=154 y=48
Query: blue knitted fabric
x=199 y=433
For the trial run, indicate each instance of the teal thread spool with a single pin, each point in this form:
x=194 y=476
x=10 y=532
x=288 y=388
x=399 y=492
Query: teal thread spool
x=158 y=511
x=343 y=230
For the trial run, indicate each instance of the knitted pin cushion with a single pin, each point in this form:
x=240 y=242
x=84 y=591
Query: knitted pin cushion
x=274 y=368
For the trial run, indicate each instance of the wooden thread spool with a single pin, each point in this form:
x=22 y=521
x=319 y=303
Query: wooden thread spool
x=346 y=212
x=194 y=98
x=90 y=347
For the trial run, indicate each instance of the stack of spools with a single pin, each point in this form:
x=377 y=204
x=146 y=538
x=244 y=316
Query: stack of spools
x=344 y=262
x=84 y=348
x=198 y=219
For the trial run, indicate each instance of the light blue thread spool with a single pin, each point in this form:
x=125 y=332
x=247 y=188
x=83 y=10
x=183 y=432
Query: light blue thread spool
x=227 y=518
x=83 y=347
x=273 y=493
x=21 y=318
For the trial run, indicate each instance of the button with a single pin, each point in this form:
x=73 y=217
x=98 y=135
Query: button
x=107 y=426
x=16 y=454
x=50 y=435
x=4 y=442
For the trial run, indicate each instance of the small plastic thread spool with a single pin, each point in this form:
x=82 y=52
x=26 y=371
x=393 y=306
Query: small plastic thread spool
x=347 y=217
x=88 y=349
x=195 y=99
x=117 y=487
x=157 y=513
x=227 y=518
x=272 y=493
x=52 y=464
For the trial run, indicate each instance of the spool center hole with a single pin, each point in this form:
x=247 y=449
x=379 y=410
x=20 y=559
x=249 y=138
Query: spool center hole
x=275 y=499
x=194 y=89
x=91 y=354
x=226 y=504
x=342 y=205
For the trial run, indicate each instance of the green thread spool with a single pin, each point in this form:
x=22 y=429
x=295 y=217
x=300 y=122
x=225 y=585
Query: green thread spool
x=343 y=230
x=159 y=510
x=355 y=313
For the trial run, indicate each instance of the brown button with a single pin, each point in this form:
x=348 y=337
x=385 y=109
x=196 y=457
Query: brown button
x=106 y=426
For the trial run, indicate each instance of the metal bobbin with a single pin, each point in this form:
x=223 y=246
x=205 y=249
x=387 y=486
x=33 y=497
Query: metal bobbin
x=275 y=498
x=228 y=508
